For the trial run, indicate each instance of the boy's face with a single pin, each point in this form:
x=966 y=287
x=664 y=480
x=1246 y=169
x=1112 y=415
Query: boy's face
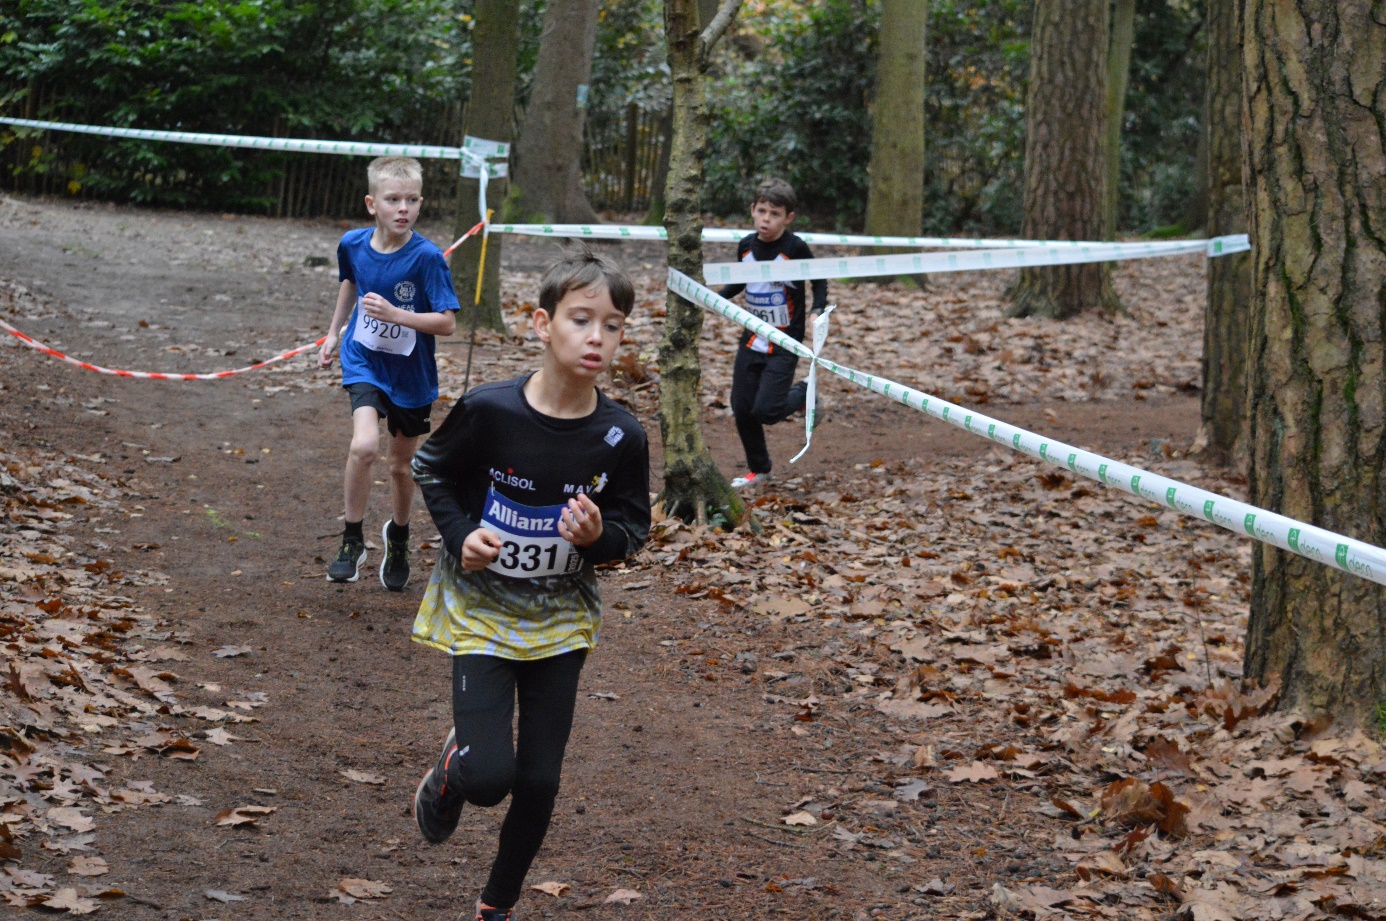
x=770 y=221
x=395 y=204
x=584 y=331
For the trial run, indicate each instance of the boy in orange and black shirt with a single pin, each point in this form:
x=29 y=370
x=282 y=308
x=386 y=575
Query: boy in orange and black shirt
x=763 y=388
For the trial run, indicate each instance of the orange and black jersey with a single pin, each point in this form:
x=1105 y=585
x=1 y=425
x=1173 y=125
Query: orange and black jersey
x=779 y=303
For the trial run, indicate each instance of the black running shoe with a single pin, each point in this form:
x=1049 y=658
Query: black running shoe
x=347 y=566
x=436 y=808
x=394 y=569
x=485 y=912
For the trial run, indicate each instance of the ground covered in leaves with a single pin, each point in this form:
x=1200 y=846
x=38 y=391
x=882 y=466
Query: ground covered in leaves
x=937 y=681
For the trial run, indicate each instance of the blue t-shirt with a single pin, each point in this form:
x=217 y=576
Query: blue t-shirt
x=414 y=277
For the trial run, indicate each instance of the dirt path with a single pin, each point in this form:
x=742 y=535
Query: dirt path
x=678 y=773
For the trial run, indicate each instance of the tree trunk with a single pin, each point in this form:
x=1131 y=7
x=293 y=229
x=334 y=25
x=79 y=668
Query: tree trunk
x=496 y=44
x=693 y=486
x=548 y=169
x=1065 y=133
x=1229 y=277
x=660 y=180
x=1316 y=154
x=895 y=198
x=1118 y=76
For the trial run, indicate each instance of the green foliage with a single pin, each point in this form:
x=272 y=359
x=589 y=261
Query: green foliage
x=979 y=61
x=799 y=111
x=1164 y=114
x=346 y=69
x=629 y=64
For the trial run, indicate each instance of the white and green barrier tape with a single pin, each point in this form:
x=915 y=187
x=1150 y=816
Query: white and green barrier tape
x=294 y=145
x=728 y=273
x=1236 y=243
x=1322 y=546
x=475 y=153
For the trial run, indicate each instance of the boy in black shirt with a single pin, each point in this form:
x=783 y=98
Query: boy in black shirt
x=763 y=388
x=532 y=482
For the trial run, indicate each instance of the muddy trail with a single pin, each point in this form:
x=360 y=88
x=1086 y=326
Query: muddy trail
x=706 y=716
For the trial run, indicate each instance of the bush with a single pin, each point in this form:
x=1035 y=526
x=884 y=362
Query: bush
x=342 y=69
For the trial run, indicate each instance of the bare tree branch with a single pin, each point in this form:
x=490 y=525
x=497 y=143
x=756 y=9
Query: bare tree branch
x=725 y=14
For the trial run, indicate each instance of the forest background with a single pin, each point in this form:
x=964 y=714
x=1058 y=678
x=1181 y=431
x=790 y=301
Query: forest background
x=790 y=95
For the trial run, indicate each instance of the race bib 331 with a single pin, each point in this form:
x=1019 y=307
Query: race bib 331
x=530 y=544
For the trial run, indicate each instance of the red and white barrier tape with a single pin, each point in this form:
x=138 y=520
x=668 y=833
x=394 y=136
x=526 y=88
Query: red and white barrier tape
x=153 y=375
x=459 y=241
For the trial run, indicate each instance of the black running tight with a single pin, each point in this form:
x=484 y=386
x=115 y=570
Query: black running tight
x=484 y=692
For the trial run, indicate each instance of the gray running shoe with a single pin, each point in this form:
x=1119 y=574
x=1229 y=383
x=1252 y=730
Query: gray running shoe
x=394 y=569
x=347 y=566
x=436 y=808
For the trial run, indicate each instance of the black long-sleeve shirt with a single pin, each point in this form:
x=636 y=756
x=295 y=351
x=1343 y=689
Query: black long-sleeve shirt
x=493 y=439
x=788 y=246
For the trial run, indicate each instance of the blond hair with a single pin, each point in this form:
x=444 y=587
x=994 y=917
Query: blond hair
x=401 y=169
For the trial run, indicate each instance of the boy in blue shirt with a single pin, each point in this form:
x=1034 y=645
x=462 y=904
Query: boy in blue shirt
x=397 y=292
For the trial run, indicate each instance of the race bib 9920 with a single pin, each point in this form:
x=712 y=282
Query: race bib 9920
x=530 y=544
x=378 y=336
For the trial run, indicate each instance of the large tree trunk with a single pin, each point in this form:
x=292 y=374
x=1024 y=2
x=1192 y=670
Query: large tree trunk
x=1118 y=76
x=693 y=486
x=1229 y=277
x=1316 y=154
x=895 y=199
x=496 y=43
x=1065 y=133
x=548 y=169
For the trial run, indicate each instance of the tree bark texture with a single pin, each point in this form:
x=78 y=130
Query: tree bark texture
x=1065 y=134
x=496 y=44
x=1315 y=108
x=548 y=169
x=1118 y=76
x=1229 y=277
x=692 y=483
x=895 y=198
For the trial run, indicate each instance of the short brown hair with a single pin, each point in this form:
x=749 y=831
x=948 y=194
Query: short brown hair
x=776 y=191
x=580 y=268
x=402 y=169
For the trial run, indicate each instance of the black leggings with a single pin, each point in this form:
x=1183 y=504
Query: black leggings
x=484 y=690
x=763 y=393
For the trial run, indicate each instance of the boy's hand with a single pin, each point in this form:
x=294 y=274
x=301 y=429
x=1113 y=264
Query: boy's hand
x=480 y=549
x=377 y=308
x=329 y=345
x=581 y=522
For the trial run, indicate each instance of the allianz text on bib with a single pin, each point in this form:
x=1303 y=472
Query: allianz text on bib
x=767 y=302
x=530 y=544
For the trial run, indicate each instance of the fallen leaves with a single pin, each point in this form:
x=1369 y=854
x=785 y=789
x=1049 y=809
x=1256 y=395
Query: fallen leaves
x=69 y=901
x=219 y=895
x=552 y=888
x=976 y=772
x=88 y=866
x=350 y=890
x=365 y=777
x=71 y=819
x=621 y=897
x=243 y=815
